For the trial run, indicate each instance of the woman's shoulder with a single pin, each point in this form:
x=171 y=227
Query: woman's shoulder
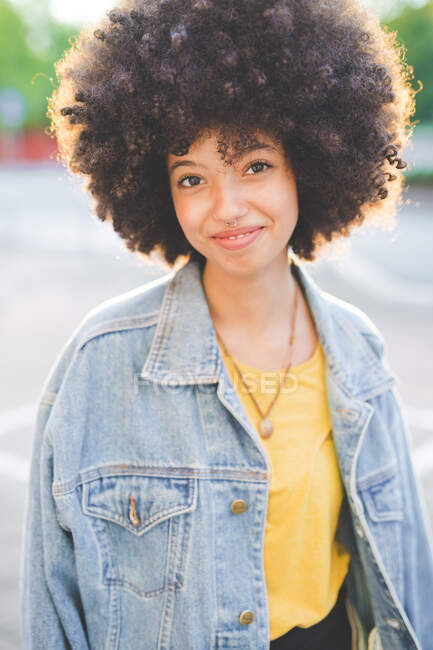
x=355 y=319
x=134 y=308
x=342 y=319
x=351 y=315
x=126 y=312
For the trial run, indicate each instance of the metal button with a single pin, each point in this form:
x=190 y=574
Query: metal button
x=246 y=617
x=393 y=622
x=238 y=507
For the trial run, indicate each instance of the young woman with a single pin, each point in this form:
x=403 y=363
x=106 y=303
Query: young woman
x=221 y=458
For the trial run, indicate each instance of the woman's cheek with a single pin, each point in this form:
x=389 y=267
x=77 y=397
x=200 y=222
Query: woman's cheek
x=189 y=222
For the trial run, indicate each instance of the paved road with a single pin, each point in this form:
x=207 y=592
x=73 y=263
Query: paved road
x=57 y=262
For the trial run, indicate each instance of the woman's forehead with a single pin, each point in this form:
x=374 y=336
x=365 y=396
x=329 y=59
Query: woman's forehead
x=212 y=141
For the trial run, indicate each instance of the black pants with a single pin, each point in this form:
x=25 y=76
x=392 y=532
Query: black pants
x=333 y=631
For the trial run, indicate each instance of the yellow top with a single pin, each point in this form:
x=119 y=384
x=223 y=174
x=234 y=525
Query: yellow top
x=304 y=564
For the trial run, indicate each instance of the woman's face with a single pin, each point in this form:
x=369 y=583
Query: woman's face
x=258 y=189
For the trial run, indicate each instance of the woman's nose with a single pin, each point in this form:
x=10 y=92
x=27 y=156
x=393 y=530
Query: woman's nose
x=229 y=201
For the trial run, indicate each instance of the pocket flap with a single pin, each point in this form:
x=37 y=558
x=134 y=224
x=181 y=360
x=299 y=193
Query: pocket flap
x=138 y=502
x=382 y=494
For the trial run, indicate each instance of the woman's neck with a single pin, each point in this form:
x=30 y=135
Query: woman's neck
x=255 y=304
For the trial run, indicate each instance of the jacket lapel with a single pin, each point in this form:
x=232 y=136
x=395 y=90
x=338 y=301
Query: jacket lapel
x=185 y=352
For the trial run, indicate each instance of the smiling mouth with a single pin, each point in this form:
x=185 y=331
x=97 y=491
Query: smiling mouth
x=240 y=236
x=237 y=236
x=240 y=241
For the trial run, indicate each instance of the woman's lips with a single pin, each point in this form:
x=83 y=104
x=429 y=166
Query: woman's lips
x=238 y=242
x=236 y=231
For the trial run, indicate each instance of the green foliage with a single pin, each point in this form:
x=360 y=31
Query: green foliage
x=30 y=43
x=419 y=178
x=414 y=29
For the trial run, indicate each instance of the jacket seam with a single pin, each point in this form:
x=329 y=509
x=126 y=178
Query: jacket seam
x=371 y=358
x=223 y=473
x=383 y=474
x=120 y=324
x=370 y=361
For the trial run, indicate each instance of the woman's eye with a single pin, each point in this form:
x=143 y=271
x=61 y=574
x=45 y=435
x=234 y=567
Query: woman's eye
x=259 y=164
x=187 y=178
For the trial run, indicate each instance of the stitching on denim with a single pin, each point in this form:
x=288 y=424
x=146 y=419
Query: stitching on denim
x=119 y=325
x=145 y=523
x=223 y=472
x=377 y=477
x=163 y=324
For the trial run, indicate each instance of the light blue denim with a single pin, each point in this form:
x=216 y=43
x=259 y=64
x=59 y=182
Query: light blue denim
x=139 y=404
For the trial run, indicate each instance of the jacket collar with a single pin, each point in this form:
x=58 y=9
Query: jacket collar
x=185 y=349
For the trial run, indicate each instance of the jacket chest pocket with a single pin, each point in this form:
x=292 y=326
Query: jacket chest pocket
x=382 y=495
x=382 y=498
x=142 y=525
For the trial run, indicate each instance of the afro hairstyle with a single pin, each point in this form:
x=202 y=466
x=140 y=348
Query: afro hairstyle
x=321 y=76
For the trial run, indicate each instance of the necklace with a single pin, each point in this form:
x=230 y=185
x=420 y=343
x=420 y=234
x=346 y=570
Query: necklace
x=265 y=425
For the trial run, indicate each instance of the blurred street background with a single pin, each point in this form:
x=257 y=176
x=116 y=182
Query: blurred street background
x=57 y=260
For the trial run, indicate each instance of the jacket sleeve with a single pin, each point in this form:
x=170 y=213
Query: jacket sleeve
x=417 y=531
x=51 y=612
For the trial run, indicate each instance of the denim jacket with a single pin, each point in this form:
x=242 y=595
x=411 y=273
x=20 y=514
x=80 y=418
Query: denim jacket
x=141 y=446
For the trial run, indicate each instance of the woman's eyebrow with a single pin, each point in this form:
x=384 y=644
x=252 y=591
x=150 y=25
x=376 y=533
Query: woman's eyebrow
x=187 y=163
x=247 y=149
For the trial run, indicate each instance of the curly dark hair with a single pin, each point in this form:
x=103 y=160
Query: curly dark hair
x=324 y=78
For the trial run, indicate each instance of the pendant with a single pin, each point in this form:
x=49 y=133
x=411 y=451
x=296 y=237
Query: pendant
x=266 y=428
